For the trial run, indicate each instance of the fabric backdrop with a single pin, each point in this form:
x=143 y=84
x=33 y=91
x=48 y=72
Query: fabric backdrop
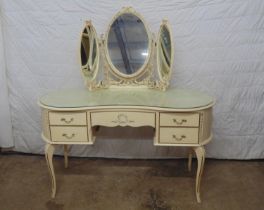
x=6 y=138
x=219 y=49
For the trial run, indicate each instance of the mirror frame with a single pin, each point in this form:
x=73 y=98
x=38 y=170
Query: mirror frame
x=143 y=68
x=95 y=66
x=165 y=24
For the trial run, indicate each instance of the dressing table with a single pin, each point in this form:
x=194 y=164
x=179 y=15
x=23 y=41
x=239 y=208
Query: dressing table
x=129 y=93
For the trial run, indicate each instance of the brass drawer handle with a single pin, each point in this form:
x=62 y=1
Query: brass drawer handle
x=179 y=123
x=67 y=121
x=178 y=139
x=68 y=137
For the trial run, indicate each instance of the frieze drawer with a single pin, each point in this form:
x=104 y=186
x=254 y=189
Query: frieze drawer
x=179 y=135
x=69 y=133
x=179 y=119
x=67 y=118
x=112 y=119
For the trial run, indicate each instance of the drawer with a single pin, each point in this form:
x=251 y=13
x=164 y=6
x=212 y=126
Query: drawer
x=67 y=118
x=133 y=119
x=179 y=119
x=179 y=135
x=69 y=133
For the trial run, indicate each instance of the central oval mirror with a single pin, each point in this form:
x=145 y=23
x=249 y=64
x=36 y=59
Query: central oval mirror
x=128 y=45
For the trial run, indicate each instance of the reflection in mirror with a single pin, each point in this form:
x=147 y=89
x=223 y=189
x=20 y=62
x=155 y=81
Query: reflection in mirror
x=165 y=45
x=164 y=52
x=128 y=43
x=88 y=51
x=85 y=47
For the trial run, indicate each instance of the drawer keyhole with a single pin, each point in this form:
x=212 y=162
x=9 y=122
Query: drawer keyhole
x=178 y=139
x=68 y=137
x=67 y=121
x=179 y=122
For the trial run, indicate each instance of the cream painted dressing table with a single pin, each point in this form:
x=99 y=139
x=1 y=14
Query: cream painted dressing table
x=128 y=95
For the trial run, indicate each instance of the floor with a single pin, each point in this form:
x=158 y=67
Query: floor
x=113 y=184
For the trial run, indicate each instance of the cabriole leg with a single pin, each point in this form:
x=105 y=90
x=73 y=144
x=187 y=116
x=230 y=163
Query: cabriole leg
x=200 y=154
x=49 y=150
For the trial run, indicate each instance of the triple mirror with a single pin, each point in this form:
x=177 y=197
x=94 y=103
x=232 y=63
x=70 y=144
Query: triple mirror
x=128 y=54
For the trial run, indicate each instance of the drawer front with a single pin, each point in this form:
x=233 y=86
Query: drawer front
x=179 y=119
x=179 y=135
x=67 y=118
x=112 y=119
x=68 y=134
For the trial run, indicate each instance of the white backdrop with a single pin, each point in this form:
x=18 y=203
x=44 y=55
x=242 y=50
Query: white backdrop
x=6 y=138
x=219 y=49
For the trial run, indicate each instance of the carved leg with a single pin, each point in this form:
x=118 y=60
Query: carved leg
x=200 y=153
x=190 y=160
x=66 y=151
x=49 y=150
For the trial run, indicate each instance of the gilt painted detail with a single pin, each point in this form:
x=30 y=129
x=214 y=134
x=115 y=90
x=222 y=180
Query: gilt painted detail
x=122 y=119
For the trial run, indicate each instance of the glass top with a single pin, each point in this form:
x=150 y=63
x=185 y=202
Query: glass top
x=172 y=98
